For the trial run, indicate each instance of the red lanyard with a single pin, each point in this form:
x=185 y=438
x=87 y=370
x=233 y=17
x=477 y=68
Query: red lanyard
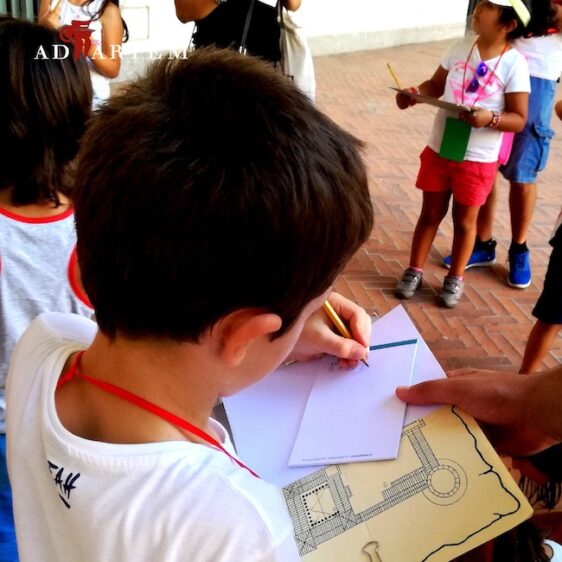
x=482 y=89
x=146 y=405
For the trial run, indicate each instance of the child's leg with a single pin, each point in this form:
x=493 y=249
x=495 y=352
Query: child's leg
x=464 y=220
x=548 y=311
x=522 y=199
x=487 y=213
x=434 y=209
x=540 y=341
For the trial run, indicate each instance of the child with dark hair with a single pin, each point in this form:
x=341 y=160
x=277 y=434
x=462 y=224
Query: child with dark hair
x=209 y=203
x=108 y=32
x=491 y=78
x=542 y=47
x=44 y=107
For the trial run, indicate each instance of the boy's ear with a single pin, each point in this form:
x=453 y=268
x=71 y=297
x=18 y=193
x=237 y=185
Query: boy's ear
x=241 y=328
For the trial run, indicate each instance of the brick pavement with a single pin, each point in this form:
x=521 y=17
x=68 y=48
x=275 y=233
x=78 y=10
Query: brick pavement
x=489 y=328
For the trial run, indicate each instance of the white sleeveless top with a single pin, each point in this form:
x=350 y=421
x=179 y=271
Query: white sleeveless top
x=37 y=274
x=70 y=12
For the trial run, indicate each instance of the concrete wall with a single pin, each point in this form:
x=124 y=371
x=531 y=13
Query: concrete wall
x=332 y=26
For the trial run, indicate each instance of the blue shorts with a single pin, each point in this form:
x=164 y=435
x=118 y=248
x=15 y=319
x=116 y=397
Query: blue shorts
x=531 y=146
x=549 y=306
x=8 y=548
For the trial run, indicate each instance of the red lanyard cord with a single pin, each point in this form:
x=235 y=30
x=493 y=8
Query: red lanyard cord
x=148 y=406
x=481 y=89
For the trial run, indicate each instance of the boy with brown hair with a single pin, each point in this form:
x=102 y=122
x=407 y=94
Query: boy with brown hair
x=215 y=207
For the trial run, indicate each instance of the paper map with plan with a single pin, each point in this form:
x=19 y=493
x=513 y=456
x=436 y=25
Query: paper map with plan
x=445 y=494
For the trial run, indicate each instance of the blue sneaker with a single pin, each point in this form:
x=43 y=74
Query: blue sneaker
x=519 y=270
x=482 y=255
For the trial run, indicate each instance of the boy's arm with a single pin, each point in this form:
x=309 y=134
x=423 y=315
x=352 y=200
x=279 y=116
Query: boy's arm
x=434 y=87
x=193 y=10
x=521 y=413
x=319 y=338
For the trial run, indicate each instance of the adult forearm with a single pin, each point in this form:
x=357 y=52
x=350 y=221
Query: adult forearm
x=193 y=10
x=292 y=5
x=544 y=411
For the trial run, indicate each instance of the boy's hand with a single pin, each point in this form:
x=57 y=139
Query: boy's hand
x=499 y=400
x=403 y=101
x=318 y=337
x=558 y=109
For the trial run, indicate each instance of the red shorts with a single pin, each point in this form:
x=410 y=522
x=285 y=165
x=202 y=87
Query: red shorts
x=470 y=182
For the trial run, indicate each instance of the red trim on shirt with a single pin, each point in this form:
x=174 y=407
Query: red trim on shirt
x=37 y=220
x=73 y=279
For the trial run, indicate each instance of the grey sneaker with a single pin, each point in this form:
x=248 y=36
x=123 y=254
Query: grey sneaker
x=451 y=292
x=409 y=284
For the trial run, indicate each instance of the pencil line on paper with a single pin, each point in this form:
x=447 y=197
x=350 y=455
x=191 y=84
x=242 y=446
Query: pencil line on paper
x=393 y=344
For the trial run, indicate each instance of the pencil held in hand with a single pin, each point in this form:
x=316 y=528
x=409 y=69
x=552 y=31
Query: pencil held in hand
x=338 y=323
x=394 y=77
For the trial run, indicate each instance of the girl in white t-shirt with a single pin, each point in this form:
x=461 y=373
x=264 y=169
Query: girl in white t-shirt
x=490 y=78
x=108 y=30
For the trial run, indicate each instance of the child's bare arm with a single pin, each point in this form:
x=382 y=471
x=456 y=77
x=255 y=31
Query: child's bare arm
x=112 y=38
x=558 y=109
x=47 y=16
x=433 y=87
x=558 y=17
x=512 y=120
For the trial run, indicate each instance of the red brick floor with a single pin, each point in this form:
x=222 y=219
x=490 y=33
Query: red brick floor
x=489 y=328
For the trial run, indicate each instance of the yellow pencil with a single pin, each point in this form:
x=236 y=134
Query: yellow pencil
x=338 y=323
x=396 y=81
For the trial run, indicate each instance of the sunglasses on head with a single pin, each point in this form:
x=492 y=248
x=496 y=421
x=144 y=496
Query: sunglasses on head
x=481 y=71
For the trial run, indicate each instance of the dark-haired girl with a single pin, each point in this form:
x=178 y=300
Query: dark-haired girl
x=490 y=78
x=108 y=31
x=44 y=107
x=542 y=47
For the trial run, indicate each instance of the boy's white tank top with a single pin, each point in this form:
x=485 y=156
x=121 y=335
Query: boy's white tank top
x=90 y=12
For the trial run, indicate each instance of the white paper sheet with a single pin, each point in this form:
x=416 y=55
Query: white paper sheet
x=265 y=417
x=355 y=416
